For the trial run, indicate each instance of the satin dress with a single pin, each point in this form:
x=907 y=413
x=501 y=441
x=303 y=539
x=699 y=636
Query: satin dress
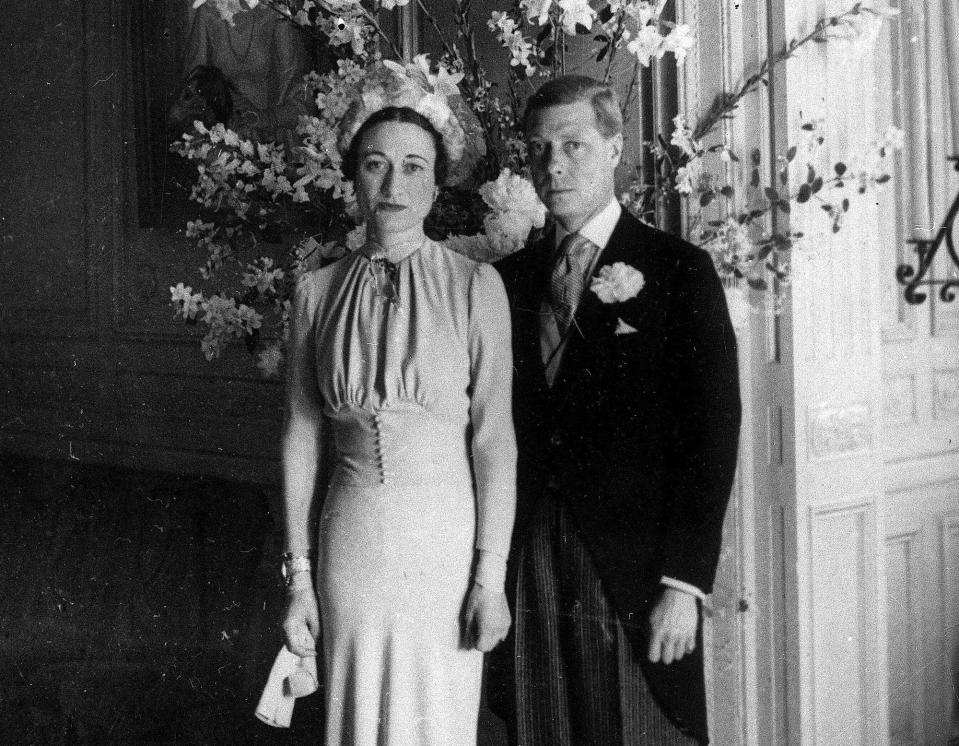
x=413 y=372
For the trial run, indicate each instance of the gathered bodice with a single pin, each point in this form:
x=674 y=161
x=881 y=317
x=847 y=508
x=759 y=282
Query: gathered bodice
x=374 y=352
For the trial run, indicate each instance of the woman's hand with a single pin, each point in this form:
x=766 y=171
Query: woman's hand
x=486 y=618
x=301 y=625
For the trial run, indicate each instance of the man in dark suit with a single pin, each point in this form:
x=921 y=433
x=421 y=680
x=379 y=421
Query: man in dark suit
x=627 y=414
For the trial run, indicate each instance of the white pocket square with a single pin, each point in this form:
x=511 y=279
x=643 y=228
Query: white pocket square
x=623 y=328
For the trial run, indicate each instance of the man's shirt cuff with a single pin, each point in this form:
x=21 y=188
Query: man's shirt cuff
x=679 y=585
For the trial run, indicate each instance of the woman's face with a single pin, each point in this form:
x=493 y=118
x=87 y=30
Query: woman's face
x=395 y=182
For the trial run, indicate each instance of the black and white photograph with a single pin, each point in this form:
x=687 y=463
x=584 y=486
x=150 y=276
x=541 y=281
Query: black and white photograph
x=462 y=373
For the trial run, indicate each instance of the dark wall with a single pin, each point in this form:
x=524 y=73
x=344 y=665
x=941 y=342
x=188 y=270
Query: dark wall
x=92 y=365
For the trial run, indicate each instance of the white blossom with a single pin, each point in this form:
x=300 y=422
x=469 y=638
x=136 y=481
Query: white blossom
x=250 y=319
x=575 y=13
x=269 y=359
x=860 y=31
x=537 y=11
x=688 y=176
x=646 y=44
x=682 y=137
x=679 y=41
x=262 y=275
x=228 y=8
x=892 y=139
x=189 y=302
x=509 y=35
x=510 y=192
x=642 y=12
x=732 y=248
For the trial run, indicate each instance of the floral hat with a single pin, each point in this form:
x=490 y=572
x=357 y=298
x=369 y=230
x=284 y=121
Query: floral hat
x=434 y=95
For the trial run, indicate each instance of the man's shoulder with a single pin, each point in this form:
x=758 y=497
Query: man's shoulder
x=521 y=261
x=654 y=243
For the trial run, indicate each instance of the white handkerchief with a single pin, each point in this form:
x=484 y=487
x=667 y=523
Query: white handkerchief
x=290 y=677
x=623 y=328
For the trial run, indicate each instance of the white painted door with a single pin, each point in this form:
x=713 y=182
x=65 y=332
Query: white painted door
x=920 y=359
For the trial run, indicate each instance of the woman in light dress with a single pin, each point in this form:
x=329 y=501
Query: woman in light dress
x=399 y=389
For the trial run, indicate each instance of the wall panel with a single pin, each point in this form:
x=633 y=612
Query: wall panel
x=92 y=364
x=843 y=613
x=43 y=210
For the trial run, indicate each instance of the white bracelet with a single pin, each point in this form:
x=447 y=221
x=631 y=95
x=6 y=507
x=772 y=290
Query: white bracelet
x=292 y=565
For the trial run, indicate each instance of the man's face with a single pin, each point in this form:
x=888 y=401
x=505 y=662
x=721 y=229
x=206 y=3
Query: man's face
x=573 y=164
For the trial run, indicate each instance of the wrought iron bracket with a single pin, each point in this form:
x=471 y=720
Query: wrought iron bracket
x=915 y=277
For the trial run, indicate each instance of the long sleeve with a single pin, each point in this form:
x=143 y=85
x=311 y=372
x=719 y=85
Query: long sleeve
x=705 y=433
x=302 y=431
x=493 y=438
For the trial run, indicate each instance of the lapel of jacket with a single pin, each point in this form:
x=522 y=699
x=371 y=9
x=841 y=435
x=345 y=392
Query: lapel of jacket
x=532 y=280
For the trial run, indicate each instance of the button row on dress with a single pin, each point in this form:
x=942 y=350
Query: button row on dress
x=380 y=457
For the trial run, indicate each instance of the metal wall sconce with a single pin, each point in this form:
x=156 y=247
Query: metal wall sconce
x=914 y=278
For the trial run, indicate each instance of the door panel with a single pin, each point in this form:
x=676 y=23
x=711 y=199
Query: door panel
x=920 y=427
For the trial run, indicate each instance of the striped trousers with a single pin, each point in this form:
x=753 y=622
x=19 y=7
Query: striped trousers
x=578 y=680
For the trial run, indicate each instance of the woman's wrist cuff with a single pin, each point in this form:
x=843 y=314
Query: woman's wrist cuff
x=300 y=580
x=490 y=570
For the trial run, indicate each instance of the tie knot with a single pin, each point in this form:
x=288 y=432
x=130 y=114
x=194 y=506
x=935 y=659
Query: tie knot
x=576 y=248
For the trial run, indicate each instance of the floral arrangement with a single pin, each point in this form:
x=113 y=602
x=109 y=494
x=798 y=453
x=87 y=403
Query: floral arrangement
x=269 y=213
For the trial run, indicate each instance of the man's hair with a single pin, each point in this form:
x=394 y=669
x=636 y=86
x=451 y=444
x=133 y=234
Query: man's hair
x=570 y=89
x=403 y=114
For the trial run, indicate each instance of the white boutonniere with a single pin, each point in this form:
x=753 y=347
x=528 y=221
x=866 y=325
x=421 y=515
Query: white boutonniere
x=617 y=283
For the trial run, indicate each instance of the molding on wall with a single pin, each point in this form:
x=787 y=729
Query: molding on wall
x=79 y=320
x=945 y=397
x=842 y=623
x=108 y=451
x=904 y=619
x=899 y=399
x=839 y=431
x=950 y=600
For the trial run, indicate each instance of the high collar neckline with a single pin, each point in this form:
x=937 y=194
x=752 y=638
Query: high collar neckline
x=394 y=254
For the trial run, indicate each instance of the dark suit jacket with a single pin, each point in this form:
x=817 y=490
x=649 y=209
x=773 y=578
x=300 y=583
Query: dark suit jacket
x=638 y=435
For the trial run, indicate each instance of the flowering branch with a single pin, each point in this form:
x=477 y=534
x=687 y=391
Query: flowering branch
x=268 y=213
x=727 y=102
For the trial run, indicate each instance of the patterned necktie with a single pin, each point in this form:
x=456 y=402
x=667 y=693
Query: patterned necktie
x=569 y=277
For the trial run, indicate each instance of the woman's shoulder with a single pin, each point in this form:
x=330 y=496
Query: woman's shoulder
x=314 y=281
x=473 y=273
x=439 y=251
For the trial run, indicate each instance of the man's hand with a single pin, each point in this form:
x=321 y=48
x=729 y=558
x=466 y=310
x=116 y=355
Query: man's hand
x=301 y=624
x=486 y=618
x=673 y=626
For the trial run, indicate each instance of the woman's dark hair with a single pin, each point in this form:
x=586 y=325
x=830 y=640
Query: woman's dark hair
x=396 y=114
